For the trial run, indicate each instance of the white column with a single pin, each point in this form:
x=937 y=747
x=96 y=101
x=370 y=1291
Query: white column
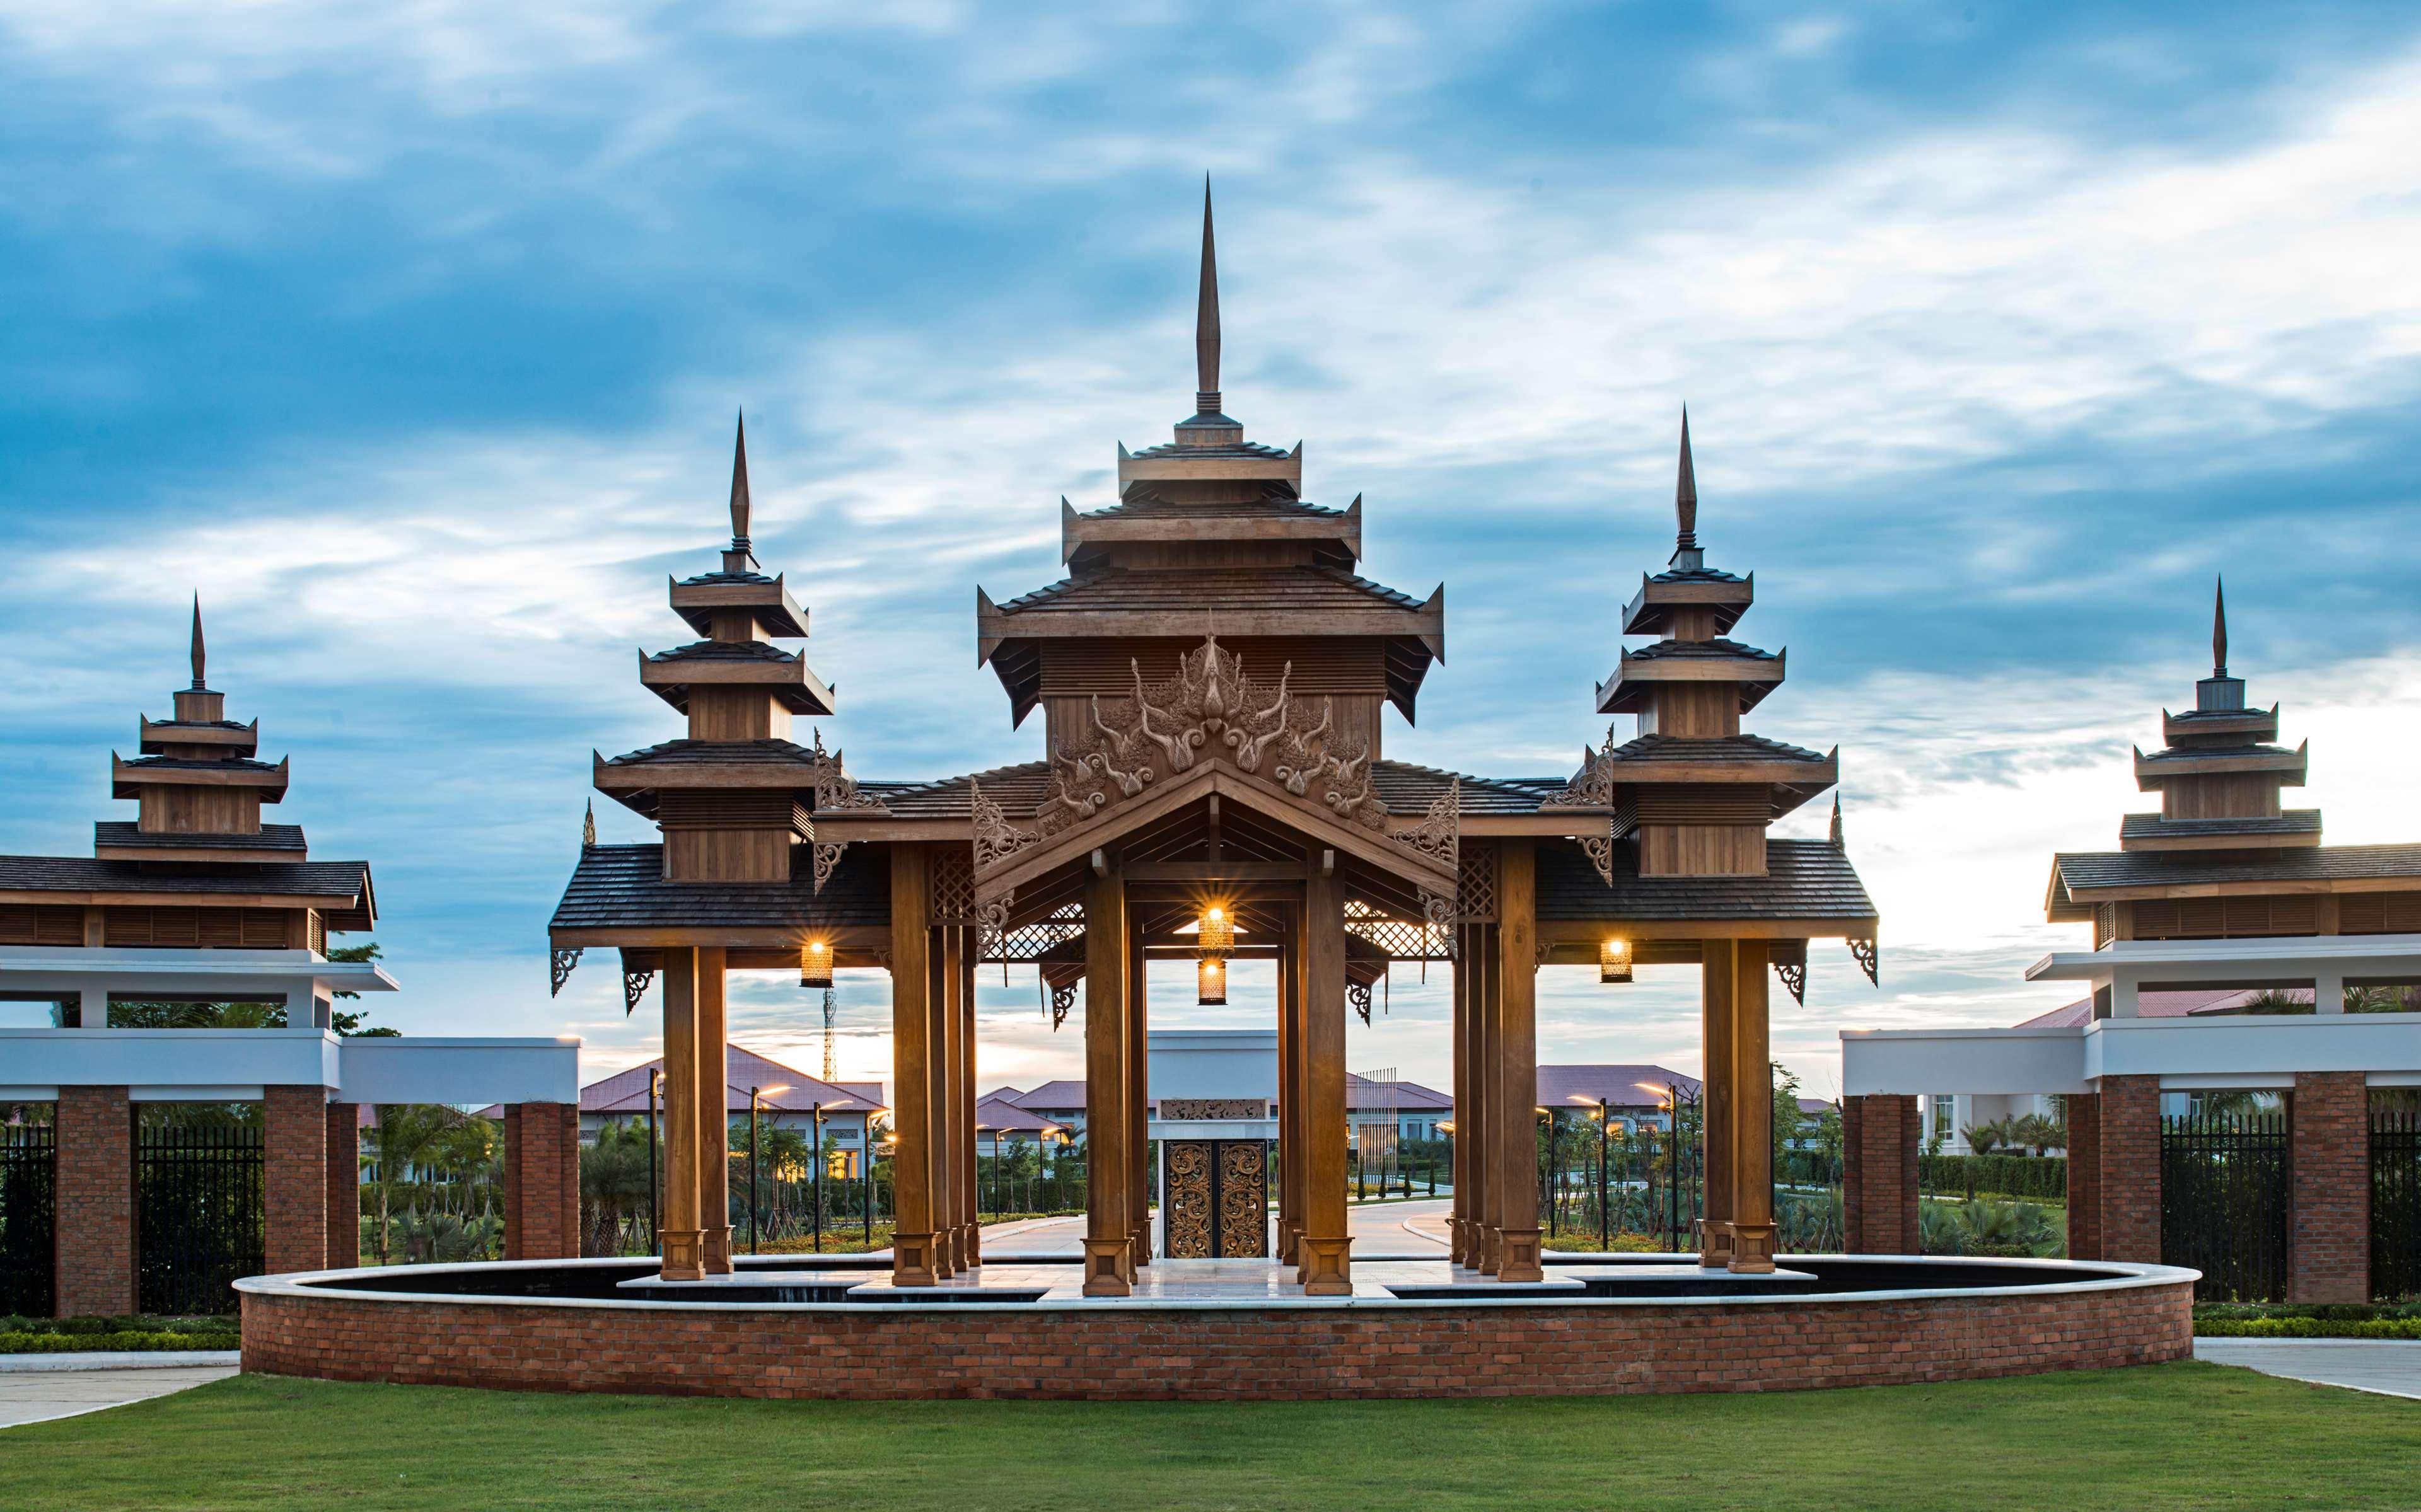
x=2122 y=994
x=2328 y=991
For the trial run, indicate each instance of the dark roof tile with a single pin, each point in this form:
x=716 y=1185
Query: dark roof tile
x=623 y=886
x=1804 y=880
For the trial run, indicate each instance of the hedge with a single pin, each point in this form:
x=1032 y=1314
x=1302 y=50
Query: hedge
x=138 y=1339
x=2043 y=1178
x=2308 y=1328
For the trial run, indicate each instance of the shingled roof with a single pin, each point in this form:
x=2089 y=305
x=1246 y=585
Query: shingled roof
x=345 y=880
x=623 y=886
x=126 y=834
x=1208 y=590
x=2095 y=869
x=1804 y=880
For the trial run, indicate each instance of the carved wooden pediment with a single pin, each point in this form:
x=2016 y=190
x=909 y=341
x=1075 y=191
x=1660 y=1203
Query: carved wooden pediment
x=1212 y=714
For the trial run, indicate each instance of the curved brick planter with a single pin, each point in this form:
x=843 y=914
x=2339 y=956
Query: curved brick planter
x=1215 y=1350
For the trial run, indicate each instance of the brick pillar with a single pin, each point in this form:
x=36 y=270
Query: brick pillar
x=2328 y=1245
x=541 y=1181
x=294 y=1177
x=1879 y=1175
x=2084 y=1176
x=344 y=1186
x=95 y=1202
x=2130 y=1175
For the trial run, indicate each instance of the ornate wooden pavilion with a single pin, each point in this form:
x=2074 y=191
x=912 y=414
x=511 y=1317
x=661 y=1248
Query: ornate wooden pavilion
x=1212 y=676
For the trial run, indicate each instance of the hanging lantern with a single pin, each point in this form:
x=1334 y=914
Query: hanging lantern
x=1216 y=934
x=1211 y=981
x=816 y=963
x=1614 y=962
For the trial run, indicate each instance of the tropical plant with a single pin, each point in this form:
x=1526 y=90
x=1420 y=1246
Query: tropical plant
x=614 y=1186
x=2037 y=1133
x=1987 y=1137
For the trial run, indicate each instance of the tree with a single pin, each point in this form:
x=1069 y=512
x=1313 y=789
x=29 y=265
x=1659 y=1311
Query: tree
x=613 y=1183
x=1983 y=1139
x=351 y=1023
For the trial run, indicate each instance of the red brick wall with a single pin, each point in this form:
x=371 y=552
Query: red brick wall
x=1227 y=1353
x=2129 y=1174
x=2084 y=1176
x=294 y=1177
x=541 y=1181
x=344 y=1185
x=95 y=1196
x=2328 y=1241
x=1879 y=1178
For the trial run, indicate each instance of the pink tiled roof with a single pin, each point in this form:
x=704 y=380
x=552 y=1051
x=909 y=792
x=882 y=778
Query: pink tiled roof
x=2180 y=1005
x=1364 y=1095
x=1061 y=1093
x=1622 y=1086
x=998 y=1113
x=626 y=1092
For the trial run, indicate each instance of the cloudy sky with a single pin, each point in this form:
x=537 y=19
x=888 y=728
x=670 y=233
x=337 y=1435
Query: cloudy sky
x=411 y=335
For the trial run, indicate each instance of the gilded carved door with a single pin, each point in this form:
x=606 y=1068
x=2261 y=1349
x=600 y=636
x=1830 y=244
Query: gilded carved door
x=1216 y=1198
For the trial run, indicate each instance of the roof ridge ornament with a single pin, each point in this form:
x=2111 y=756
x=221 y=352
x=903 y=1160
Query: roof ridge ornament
x=1206 y=318
x=1837 y=837
x=1686 y=553
x=741 y=506
x=198 y=657
x=2219 y=626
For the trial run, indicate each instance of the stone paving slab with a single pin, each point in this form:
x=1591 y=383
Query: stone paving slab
x=2391 y=1368
x=42 y=1395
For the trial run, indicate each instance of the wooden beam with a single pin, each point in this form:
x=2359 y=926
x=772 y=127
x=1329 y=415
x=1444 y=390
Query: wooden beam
x=1718 y=980
x=678 y=1231
x=1753 y=1229
x=714 y=1113
x=1327 y=1245
x=912 y=1050
x=1517 y=1061
x=1108 y=1233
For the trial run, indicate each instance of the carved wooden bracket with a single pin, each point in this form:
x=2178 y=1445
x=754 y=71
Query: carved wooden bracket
x=558 y=967
x=635 y=987
x=1794 y=977
x=1869 y=960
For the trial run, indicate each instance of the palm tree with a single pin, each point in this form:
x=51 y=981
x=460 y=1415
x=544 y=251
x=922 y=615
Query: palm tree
x=1985 y=1138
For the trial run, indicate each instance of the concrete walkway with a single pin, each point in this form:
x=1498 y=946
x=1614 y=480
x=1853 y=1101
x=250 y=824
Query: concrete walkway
x=2391 y=1368
x=36 y=1388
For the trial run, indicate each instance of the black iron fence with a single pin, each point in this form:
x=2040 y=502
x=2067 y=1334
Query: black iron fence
x=2394 y=1202
x=28 y=1213
x=2225 y=1196
x=199 y=1221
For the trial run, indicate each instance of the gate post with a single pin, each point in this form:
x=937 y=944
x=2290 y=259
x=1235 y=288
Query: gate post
x=2329 y=1202
x=294 y=1177
x=1879 y=1187
x=2129 y=1180
x=541 y=1181
x=344 y=1185
x=2084 y=1176
x=93 y=1201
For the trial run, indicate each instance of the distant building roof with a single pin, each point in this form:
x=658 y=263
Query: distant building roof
x=1620 y=1086
x=626 y=1092
x=997 y=1114
x=1361 y=1095
x=2180 y=1005
x=1050 y=1094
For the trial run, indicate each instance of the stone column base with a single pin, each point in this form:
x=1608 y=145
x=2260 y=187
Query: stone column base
x=1491 y=1249
x=718 y=1250
x=1518 y=1259
x=1107 y=1263
x=912 y=1260
x=1714 y=1242
x=684 y=1253
x=1328 y=1267
x=974 y=1246
x=1752 y=1249
x=1454 y=1241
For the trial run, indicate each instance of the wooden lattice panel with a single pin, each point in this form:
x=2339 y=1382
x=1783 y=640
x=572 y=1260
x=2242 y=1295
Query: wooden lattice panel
x=954 y=886
x=1476 y=901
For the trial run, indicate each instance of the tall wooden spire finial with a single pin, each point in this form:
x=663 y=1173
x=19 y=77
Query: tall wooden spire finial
x=1685 y=493
x=2219 y=628
x=588 y=828
x=198 y=641
x=1836 y=821
x=1206 y=318
x=739 y=486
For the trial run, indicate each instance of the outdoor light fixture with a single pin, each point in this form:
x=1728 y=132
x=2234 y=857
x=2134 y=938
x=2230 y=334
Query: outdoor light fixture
x=1614 y=962
x=1211 y=981
x=816 y=963
x=1217 y=932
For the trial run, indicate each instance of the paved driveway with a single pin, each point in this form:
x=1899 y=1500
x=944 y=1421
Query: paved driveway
x=2389 y=1366
x=39 y=1387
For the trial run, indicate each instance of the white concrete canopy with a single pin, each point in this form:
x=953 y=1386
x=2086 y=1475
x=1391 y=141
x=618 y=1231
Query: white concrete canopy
x=235 y=1065
x=2324 y=963
x=303 y=980
x=2251 y=1051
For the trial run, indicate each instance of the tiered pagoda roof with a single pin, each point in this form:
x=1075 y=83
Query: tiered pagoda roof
x=197 y=841
x=1210 y=534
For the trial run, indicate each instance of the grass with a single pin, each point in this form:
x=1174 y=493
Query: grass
x=2172 y=1437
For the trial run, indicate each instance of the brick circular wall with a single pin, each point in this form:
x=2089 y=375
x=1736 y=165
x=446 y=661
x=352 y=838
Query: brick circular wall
x=1163 y=1350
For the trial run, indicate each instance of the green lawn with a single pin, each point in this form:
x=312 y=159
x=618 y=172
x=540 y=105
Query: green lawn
x=2183 y=1436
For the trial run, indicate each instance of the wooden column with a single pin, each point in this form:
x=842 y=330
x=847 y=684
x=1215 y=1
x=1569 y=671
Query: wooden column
x=680 y=1233
x=1289 y=1224
x=912 y=1054
x=1109 y=1232
x=966 y=976
x=1517 y=1061
x=1457 y=1224
x=1715 y=1102
x=1486 y=1147
x=713 y=1114
x=950 y=1142
x=1138 y=1100
x=1751 y=1112
x=1326 y=1243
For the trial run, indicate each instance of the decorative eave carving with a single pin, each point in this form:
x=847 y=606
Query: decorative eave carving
x=1593 y=787
x=835 y=792
x=1212 y=709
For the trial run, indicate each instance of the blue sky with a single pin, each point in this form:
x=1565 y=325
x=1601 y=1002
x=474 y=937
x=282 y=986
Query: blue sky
x=412 y=337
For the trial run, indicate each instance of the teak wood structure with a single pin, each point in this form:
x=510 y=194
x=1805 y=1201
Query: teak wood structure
x=1212 y=675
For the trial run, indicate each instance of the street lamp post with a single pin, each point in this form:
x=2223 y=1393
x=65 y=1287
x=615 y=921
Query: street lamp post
x=756 y=1096
x=655 y=1086
x=816 y=1158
